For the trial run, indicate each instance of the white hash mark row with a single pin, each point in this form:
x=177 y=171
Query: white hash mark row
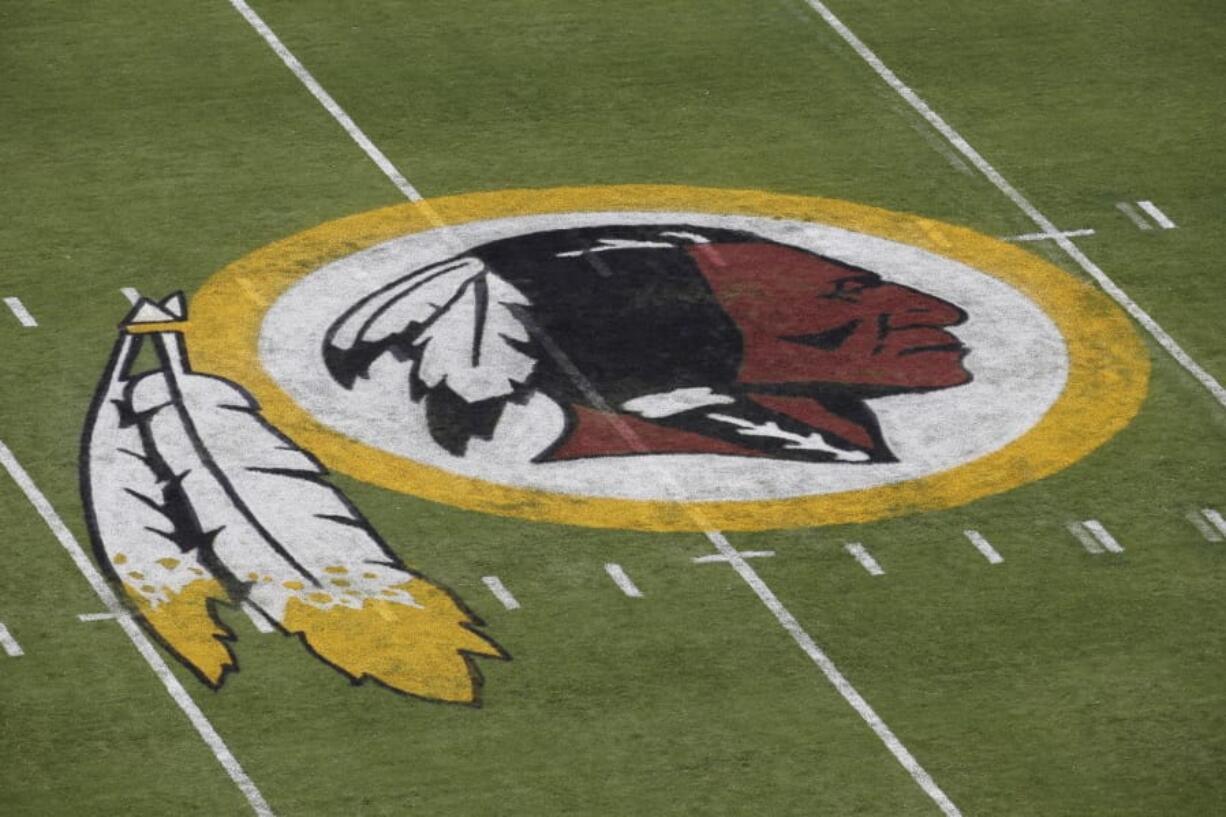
x=1209 y=522
x=865 y=558
x=623 y=582
x=20 y=312
x=11 y=648
x=1094 y=537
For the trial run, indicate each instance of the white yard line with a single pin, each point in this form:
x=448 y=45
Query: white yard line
x=744 y=554
x=1083 y=536
x=738 y=563
x=257 y=619
x=865 y=558
x=20 y=312
x=623 y=582
x=833 y=675
x=1049 y=236
x=87 y=617
x=1200 y=521
x=1041 y=221
x=1157 y=215
x=131 y=294
x=1136 y=218
x=138 y=638
x=500 y=592
x=1215 y=519
x=1103 y=536
x=983 y=546
x=11 y=648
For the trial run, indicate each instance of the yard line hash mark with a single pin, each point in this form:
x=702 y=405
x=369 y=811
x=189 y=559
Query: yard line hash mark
x=132 y=630
x=97 y=617
x=1157 y=215
x=1094 y=537
x=20 y=312
x=257 y=619
x=1083 y=536
x=500 y=592
x=11 y=648
x=1045 y=224
x=739 y=564
x=983 y=546
x=1050 y=236
x=623 y=582
x=744 y=554
x=1206 y=526
x=866 y=560
x=1136 y=218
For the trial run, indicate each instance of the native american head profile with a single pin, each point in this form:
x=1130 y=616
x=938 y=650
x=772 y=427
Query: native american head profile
x=656 y=339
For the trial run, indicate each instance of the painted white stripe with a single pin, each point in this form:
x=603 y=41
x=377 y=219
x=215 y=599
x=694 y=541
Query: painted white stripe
x=744 y=554
x=325 y=99
x=833 y=675
x=1083 y=536
x=1215 y=519
x=742 y=567
x=1049 y=236
x=865 y=558
x=257 y=619
x=131 y=294
x=20 y=312
x=500 y=592
x=1133 y=216
x=1202 y=523
x=619 y=577
x=1041 y=221
x=983 y=546
x=1103 y=536
x=138 y=638
x=96 y=617
x=10 y=645
x=1157 y=215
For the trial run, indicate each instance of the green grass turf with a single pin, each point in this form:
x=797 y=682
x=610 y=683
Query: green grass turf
x=148 y=146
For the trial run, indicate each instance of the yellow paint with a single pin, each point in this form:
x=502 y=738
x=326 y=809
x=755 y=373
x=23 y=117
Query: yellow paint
x=156 y=328
x=419 y=650
x=320 y=598
x=120 y=559
x=341 y=582
x=169 y=563
x=185 y=625
x=135 y=574
x=293 y=585
x=336 y=570
x=1108 y=375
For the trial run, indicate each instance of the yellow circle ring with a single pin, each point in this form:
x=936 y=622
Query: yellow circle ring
x=1107 y=380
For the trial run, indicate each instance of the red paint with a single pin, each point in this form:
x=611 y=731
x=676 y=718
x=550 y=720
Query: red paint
x=597 y=434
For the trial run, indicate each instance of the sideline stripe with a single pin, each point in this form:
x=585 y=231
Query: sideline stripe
x=983 y=546
x=1104 y=538
x=325 y=99
x=1157 y=215
x=620 y=579
x=134 y=633
x=730 y=553
x=20 y=312
x=836 y=678
x=1041 y=221
x=1203 y=524
x=1133 y=216
x=865 y=558
x=501 y=592
x=1049 y=236
x=10 y=645
x=744 y=554
x=1215 y=519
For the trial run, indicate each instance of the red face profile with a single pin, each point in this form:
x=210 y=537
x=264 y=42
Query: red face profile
x=806 y=319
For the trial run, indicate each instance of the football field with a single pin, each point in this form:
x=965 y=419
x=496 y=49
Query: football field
x=614 y=571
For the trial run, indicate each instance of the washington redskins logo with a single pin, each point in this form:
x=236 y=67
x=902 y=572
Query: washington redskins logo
x=672 y=358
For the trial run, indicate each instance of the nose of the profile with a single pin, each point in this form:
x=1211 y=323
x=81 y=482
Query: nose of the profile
x=910 y=307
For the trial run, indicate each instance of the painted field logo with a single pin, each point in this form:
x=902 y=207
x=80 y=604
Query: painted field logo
x=672 y=358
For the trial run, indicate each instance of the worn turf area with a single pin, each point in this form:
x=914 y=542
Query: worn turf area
x=149 y=146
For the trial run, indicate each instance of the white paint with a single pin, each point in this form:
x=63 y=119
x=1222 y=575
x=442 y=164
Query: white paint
x=1133 y=216
x=1017 y=355
x=666 y=404
x=983 y=546
x=20 y=312
x=257 y=619
x=131 y=294
x=833 y=675
x=1103 y=536
x=785 y=618
x=1200 y=521
x=1049 y=236
x=10 y=645
x=325 y=99
x=619 y=577
x=865 y=558
x=1083 y=536
x=87 y=617
x=138 y=638
x=1215 y=519
x=744 y=554
x=1157 y=215
x=500 y=592
x=1041 y=221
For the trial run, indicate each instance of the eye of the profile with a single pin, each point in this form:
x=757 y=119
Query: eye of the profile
x=845 y=287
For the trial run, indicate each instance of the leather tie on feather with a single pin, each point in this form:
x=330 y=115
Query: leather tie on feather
x=294 y=546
